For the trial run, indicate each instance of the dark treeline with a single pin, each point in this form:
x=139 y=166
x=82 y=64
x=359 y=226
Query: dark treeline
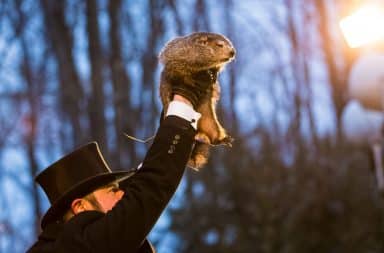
x=77 y=71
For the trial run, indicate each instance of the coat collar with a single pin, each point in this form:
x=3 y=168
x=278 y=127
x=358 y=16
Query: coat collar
x=53 y=230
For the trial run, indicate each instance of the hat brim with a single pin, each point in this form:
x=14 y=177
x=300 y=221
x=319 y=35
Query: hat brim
x=61 y=205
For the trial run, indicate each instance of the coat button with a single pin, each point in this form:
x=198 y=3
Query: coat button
x=171 y=149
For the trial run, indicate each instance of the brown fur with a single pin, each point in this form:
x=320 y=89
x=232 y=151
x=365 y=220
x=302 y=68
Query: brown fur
x=184 y=56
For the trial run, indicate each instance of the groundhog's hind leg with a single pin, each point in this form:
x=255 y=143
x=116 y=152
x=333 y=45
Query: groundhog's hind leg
x=209 y=128
x=199 y=156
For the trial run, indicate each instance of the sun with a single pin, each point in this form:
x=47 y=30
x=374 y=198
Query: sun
x=364 y=26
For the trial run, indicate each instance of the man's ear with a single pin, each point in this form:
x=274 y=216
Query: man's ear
x=77 y=206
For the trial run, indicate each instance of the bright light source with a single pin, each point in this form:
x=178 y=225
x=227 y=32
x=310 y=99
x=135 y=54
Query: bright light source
x=364 y=26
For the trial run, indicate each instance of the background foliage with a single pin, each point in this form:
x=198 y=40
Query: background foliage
x=75 y=71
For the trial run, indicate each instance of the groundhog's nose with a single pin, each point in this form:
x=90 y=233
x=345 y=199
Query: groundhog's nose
x=232 y=53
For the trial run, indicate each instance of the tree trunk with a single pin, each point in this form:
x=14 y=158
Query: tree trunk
x=125 y=114
x=295 y=128
x=336 y=75
x=201 y=20
x=31 y=124
x=70 y=92
x=149 y=61
x=96 y=103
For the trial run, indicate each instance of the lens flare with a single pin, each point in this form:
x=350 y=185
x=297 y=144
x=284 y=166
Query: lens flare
x=364 y=26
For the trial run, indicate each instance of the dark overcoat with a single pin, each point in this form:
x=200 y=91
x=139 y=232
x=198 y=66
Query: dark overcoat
x=126 y=226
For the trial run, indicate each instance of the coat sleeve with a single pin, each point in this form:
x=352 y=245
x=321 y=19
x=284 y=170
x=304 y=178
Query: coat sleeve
x=125 y=227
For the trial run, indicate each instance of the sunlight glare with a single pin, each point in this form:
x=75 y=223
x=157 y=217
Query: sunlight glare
x=364 y=26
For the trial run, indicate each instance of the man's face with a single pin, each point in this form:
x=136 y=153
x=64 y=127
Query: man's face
x=107 y=197
x=102 y=199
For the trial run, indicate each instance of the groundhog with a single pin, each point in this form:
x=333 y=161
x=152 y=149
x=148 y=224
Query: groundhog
x=182 y=58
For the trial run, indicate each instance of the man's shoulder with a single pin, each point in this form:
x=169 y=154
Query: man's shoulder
x=84 y=218
x=55 y=235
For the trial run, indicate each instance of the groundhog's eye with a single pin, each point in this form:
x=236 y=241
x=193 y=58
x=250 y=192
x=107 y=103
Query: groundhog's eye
x=203 y=41
x=220 y=43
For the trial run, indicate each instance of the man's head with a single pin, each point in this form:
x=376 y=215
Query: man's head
x=78 y=182
x=102 y=199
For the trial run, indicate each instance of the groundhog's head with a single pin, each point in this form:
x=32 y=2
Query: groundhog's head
x=198 y=51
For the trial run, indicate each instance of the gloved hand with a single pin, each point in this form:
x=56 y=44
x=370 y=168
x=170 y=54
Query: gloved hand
x=202 y=81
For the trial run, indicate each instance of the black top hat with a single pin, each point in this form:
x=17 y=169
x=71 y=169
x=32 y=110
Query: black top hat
x=75 y=175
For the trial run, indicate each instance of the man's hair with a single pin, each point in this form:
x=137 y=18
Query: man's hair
x=94 y=202
x=91 y=199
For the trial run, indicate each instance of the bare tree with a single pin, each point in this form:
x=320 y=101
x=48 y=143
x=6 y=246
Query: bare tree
x=125 y=113
x=201 y=20
x=96 y=103
x=333 y=52
x=34 y=87
x=71 y=93
x=178 y=20
x=154 y=37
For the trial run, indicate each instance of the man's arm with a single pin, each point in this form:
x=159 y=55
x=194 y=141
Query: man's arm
x=148 y=192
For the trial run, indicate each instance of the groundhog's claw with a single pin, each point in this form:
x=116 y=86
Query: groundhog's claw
x=227 y=141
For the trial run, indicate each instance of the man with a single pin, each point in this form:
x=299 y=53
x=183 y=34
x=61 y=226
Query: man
x=90 y=212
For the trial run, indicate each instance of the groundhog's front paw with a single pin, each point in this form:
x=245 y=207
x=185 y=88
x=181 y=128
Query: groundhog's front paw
x=227 y=141
x=203 y=138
